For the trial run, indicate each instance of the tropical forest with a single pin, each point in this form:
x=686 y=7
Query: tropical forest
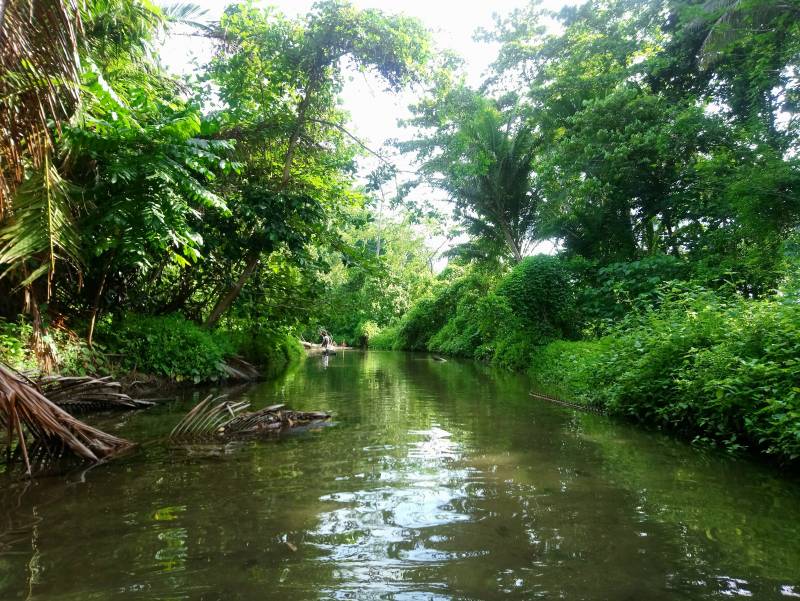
x=371 y=299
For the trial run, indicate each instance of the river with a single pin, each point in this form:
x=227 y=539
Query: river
x=436 y=481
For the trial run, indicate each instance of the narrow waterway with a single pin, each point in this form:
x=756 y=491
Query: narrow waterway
x=436 y=481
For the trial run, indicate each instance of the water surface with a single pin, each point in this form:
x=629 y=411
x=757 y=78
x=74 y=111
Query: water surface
x=438 y=481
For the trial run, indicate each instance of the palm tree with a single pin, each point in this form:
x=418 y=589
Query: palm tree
x=497 y=198
x=39 y=83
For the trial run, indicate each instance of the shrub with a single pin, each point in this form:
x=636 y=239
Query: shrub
x=723 y=370
x=270 y=350
x=385 y=339
x=365 y=332
x=14 y=348
x=611 y=292
x=541 y=294
x=170 y=346
x=431 y=314
x=72 y=355
x=564 y=368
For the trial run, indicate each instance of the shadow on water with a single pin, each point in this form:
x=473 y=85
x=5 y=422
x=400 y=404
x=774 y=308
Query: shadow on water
x=438 y=481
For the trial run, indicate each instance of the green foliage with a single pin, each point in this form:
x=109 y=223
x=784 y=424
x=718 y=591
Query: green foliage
x=541 y=295
x=14 y=348
x=564 y=369
x=271 y=351
x=385 y=339
x=376 y=278
x=723 y=370
x=365 y=332
x=170 y=346
x=73 y=356
x=607 y=294
x=432 y=313
x=483 y=157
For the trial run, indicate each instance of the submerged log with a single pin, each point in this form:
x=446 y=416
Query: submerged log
x=219 y=419
x=32 y=420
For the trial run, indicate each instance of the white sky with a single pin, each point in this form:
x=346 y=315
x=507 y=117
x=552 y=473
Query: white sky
x=374 y=112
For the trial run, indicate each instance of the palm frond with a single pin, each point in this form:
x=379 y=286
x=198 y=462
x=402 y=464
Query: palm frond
x=183 y=12
x=39 y=75
x=77 y=394
x=221 y=419
x=732 y=20
x=41 y=229
x=32 y=419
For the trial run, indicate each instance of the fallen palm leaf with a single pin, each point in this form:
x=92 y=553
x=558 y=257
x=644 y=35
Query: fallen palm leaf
x=34 y=421
x=86 y=393
x=219 y=418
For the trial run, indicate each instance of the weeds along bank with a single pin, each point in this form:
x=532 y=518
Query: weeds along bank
x=706 y=362
x=170 y=346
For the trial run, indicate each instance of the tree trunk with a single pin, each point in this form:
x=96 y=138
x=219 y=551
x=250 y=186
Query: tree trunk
x=95 y=308
x=294 y=138
x=224 y=303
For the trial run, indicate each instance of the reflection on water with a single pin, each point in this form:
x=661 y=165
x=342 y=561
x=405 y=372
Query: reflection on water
x=437 y=481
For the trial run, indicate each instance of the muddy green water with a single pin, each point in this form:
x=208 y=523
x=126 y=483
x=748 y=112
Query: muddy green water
x=438 y=481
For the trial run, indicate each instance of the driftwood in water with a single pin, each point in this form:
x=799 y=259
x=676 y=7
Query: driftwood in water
x=576 y=406
x=32 y=420
x=236 y=368
x=220 y=419
x=85 y=393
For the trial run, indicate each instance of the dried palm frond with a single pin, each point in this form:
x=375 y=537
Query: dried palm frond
x=86 y=393
x=30 y=418
x=218 y=418
x=39 y=82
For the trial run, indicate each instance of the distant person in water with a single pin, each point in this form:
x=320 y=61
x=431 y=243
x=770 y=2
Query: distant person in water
x=326 y=341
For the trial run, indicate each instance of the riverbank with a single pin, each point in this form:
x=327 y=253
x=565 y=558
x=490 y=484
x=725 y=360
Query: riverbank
x=710 y=366
x=154 y=352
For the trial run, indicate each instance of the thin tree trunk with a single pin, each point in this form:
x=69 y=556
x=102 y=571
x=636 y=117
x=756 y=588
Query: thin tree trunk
x=224 y=303
x=95 y=308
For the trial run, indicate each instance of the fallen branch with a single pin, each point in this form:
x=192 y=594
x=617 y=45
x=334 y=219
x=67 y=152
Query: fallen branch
x=576 y=406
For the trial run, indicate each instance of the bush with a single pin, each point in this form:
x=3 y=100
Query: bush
x=611 y=292
x=72 y=355
x=170 y=346
x=723 y=370
x=431 y=314
x=365 y=332
x=541 y=294
x=385 y=339
x=271 y=351
x=564 y=369
x=14 y=348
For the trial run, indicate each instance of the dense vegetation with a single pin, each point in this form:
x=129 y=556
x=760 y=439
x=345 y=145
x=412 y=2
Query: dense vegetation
x=159 y=223
x=163 y=224
x=656 y=144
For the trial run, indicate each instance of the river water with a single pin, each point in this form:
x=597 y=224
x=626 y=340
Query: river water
x=437 y=481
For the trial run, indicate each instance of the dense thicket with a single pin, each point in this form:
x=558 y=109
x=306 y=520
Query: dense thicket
x=655 y=144
x=176 y=221
x=652 y=144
